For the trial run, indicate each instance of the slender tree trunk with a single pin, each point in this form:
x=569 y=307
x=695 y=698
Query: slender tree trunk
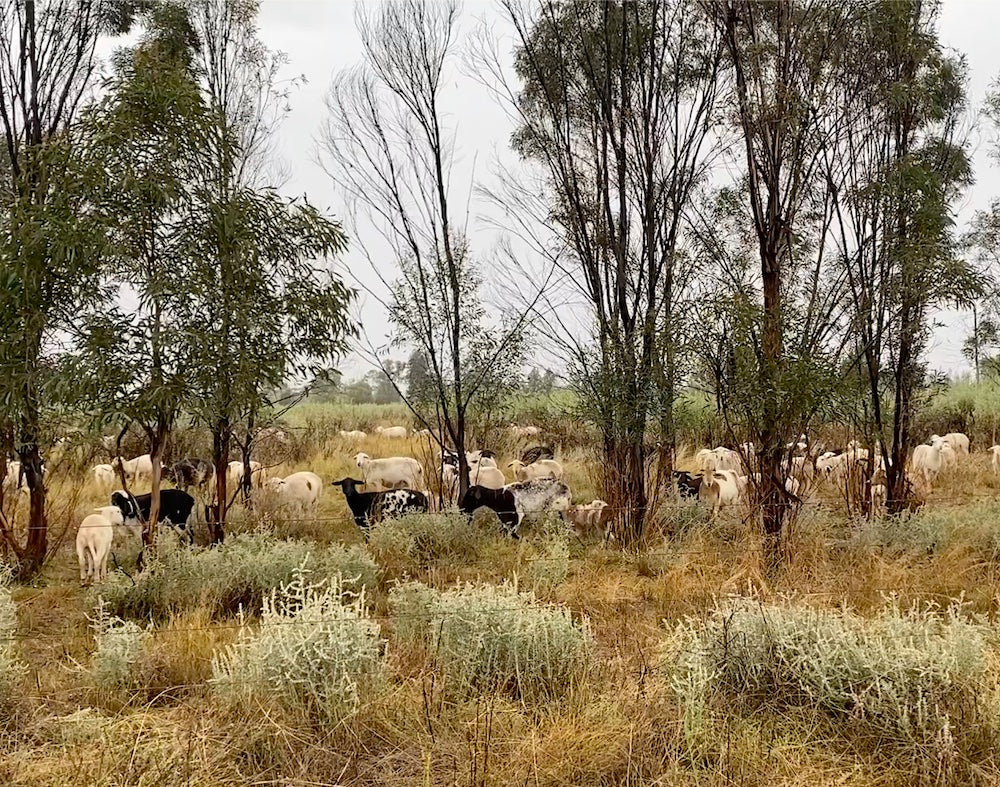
x=36 y=546
x=906 y=382
x=771 y=491
x=220 y=458
x=246 y=451
x=159 y=438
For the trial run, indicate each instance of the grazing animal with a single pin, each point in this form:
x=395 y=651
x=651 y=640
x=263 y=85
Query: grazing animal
x=801 y=469
x=103 y=475
x=235 y=471
x=485 y=458
x=353 y=434
x=392 y=432
x=370 y=508
x=481 y=459
x=500 y=501
x=490 y=477
x=720 y=489
x=395 y=472
x=300 y=490
x=727 y=459
x=926 y=461
x=192 y=474
x=541 y=468
x=539 y=495
x=537 y=452
x=706 y=460
x=590 y=519
x=524 y=431
x=135 y=469
x=957 y=440
x=688 y=484
x=94 y=539
x=995 y=450
x=175 y=509
x=516 y=501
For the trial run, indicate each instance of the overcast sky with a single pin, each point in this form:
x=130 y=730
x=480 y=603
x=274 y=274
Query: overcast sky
x=319 y=38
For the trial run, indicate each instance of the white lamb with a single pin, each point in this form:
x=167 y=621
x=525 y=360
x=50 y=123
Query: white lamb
x=94 y=539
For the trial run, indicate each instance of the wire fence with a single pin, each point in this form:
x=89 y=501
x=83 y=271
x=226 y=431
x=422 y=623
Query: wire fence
x=832 y=507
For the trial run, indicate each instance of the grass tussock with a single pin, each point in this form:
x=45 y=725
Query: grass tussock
x=235 y=576
x=494 y=640
x=910 y=682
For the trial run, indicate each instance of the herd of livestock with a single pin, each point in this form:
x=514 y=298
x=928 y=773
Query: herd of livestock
x=396 y=485
x=721 y=476
x=389 y=487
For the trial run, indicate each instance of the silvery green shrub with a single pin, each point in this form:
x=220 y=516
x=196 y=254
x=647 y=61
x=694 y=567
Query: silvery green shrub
x=486 y=639
x=315 y=649
x=420 y=539
x=11 y=666
x=238 y=574
x=119 y=650
x=905 y=676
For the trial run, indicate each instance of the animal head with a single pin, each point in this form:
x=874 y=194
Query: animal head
x=347 y=484
x=126 y=504
x=113 y=514
x=361 y=459
x=516 y=465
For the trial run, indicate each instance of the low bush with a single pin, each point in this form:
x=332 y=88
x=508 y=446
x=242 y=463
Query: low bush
x=234 y=576
x=913 y=679
x=492 y=639
x=316 y=650
x=12 y=669
x=975 y=527
x=119 y=651
x=420 y=540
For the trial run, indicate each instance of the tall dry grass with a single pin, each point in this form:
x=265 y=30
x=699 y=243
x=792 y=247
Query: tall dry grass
x=617 y=722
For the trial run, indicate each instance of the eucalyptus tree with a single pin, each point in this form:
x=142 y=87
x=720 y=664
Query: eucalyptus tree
x=616 y=105
x=783 y=65
x=50 y=239
x=899 y=164
x=389 y=147
x=149 y=131
x=267 y=301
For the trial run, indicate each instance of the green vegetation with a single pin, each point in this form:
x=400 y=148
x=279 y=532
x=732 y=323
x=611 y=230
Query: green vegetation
x=233 y=578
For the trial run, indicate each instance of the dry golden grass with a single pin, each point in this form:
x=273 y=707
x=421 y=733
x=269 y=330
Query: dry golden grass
x=621 y=726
